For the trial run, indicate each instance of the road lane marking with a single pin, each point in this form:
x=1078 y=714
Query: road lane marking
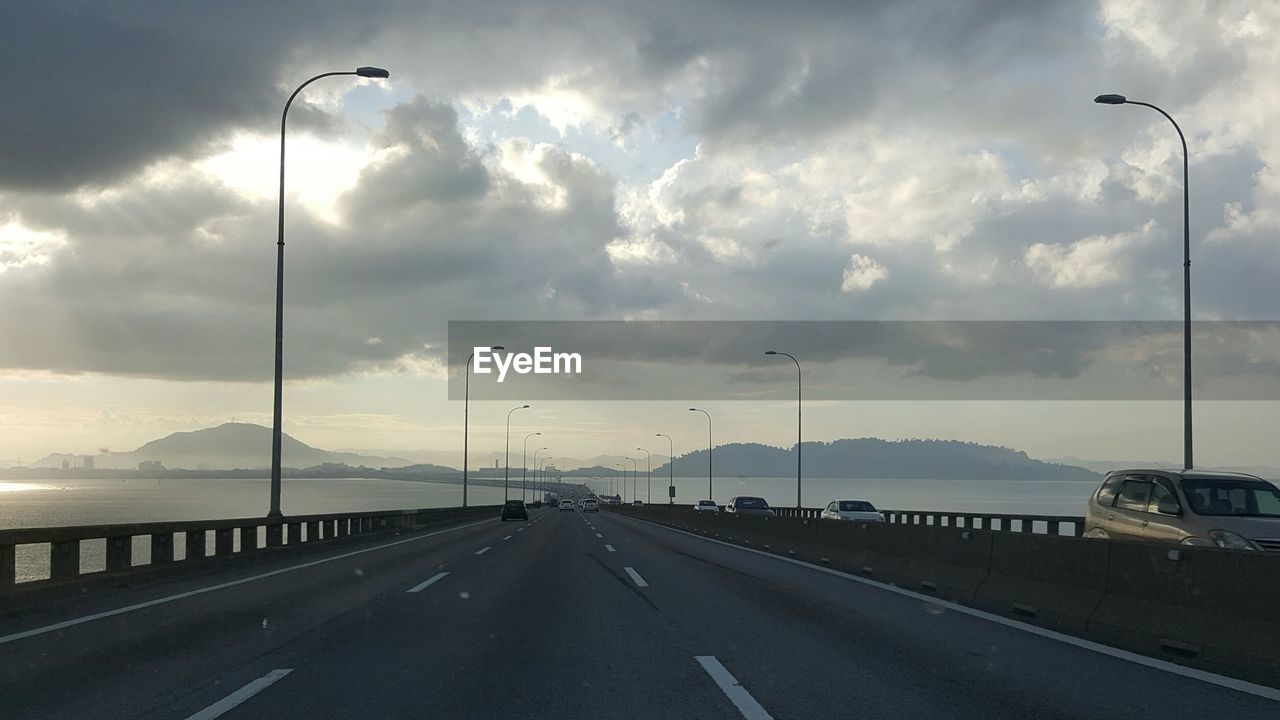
x=599 y=535
x=506 y=538
x=519 y=529
x=609 y=548
x=220 y=586
x=484 y=550
x=227 y=703
x=635 y=576
x=1155 y=663
x=747 y=705
x=428 y=582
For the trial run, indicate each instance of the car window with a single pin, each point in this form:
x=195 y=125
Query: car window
x=1232 y=496
x=1163 y=500
x=856 y=506
x=1133 y=494
x=1107 y=493
x=752 y=503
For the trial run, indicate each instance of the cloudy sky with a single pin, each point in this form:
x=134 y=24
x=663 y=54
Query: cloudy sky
x=612 y=161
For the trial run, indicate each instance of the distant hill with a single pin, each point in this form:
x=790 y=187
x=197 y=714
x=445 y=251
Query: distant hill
x=875 y=458
x=228 y=446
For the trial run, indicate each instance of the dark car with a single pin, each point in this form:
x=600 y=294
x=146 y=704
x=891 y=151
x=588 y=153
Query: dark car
x=747 y=505
x=515 y=510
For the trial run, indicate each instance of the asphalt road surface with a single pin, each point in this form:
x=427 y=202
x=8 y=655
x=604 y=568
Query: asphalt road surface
x=570 y=615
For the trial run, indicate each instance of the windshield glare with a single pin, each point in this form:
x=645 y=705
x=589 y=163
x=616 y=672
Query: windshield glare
x=1232 y=497
x=856 y=506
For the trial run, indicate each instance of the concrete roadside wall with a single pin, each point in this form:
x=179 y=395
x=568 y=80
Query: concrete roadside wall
x=1214 y=609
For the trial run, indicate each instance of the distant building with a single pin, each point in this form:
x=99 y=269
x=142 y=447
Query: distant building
x=66 y=463
x=151 y=467
x=88 y=462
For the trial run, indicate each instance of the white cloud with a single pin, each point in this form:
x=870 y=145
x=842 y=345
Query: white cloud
x=861 y=273
x=1090 y=262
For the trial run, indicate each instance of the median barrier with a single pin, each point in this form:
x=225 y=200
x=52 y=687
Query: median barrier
x=1055 y=581
x=1204 y=607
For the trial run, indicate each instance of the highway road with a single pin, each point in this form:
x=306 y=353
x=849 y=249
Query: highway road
x=570 y=615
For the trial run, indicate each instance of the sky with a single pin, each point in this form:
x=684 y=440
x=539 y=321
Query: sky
x=616 y=161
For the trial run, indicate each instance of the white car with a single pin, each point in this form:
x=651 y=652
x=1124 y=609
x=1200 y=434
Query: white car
x=852 y=510
x=590 y=505
x=707 y=506
x=566 y=505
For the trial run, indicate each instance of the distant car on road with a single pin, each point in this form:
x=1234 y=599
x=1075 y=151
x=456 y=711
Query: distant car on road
x=590 y=505
x=749 y=505
x=707 y=506
x=566 y=505
x=514 y=510
x=637 y=503
x=1187 y=507
x=851 y=510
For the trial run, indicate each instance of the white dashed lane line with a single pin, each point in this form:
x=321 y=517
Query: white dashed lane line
x=609 y=548
x=482 y=551
x=635 y=576
x=427 y=583
x=747 y=705
x=229 y=702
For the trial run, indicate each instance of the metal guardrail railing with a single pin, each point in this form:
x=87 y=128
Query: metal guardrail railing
x=201 y=539
x=1072 y=525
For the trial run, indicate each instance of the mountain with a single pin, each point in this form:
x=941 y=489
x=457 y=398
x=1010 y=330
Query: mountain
x=228 y=446
x=1103 y=466
x=875 y=458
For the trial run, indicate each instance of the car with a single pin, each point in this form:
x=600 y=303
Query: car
x=566 y=505
x=1186 y=507
x=514 y=510
x=637 y=503
x=749 y=505
x=590 y=505
x=851 y=510
x=706 y=506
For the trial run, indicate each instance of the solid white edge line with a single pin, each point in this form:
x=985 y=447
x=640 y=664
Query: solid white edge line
x=738 y=695
x=1230 y=683
x=609 y=548
x=635 y=577
x=231 y=701
x=220 y=586
x=428 y=582
x=506 y=538
x=483 y=550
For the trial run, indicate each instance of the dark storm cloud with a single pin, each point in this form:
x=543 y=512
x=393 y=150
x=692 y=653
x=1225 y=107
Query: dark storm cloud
x=95 y=90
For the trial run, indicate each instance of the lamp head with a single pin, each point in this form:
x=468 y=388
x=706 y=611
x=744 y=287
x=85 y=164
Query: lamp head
x=1110 y=100
x=372 y=72
x=497 y=347
x=770 y=352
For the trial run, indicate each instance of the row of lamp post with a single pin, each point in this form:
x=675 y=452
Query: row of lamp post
x=276 y=430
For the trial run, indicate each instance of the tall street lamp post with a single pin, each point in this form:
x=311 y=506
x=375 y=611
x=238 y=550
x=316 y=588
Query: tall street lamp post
x=274 y=536
x=635 y=470
x=710 y=496
x=466 y=418
x=1186 y=272
x=524 y=465
x=671 y=468
x=649 y=465
x=537 y=468
x=799 y=401
x=506 y=457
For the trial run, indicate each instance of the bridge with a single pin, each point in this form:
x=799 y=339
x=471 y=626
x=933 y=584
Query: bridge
x=633 y=612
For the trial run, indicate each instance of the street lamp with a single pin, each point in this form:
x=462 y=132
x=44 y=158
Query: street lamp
x=506 y=458
x=649 y=461
x=466 y=418
x=635 y=470
x=1186 y=272
x=536 y=467
x=524 y=463
x=710 y=496
x=274 y=531
x=542 y=471
x=799 y=400
x=671 y=468
x=621 y=490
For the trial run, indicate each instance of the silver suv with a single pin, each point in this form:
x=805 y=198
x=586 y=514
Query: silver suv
x=1190 y=507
